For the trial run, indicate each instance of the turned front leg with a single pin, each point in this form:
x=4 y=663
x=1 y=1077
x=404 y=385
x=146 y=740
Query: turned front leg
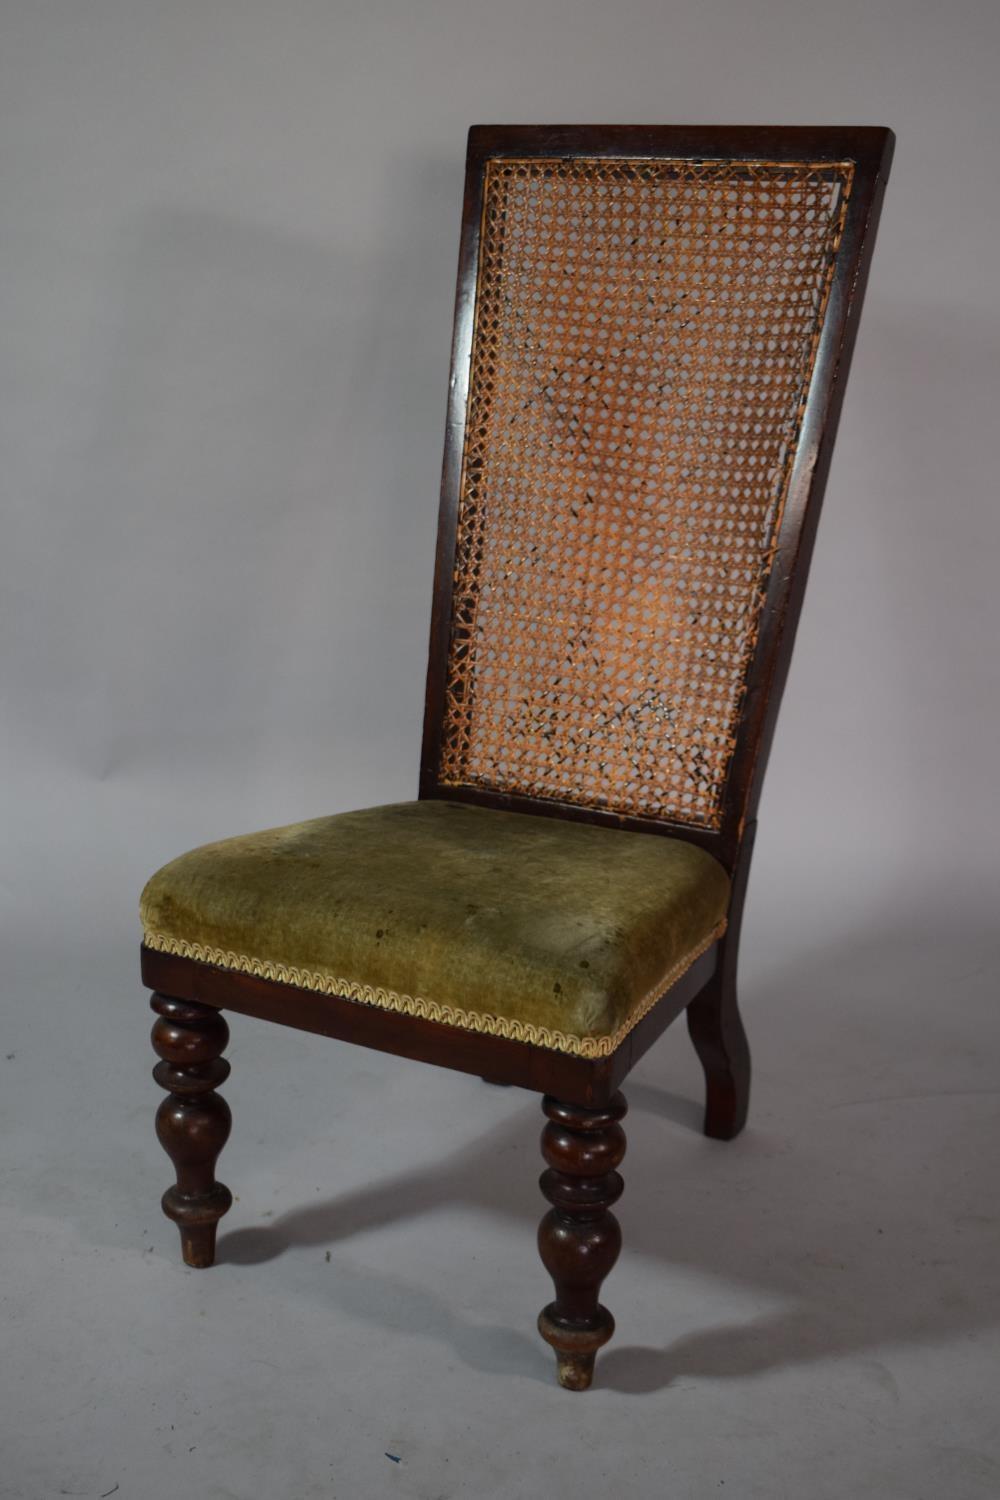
x=193 y=1121
x=579 y=1238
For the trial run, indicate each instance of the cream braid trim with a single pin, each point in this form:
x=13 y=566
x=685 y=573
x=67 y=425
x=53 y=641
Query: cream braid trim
x=430 y=1010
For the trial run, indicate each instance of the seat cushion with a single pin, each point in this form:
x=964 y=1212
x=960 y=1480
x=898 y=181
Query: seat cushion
x=557 y=933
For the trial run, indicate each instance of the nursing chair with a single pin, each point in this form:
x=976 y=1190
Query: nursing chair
x=652 y=334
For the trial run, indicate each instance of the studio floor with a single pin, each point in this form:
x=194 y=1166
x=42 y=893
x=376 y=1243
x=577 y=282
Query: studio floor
x=811 y=1311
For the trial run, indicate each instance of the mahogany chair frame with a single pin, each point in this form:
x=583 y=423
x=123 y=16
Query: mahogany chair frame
x=583 y=1142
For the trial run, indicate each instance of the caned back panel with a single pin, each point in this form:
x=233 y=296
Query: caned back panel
x=645 y=333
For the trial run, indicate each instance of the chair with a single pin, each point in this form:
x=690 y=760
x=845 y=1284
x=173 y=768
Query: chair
x=652 y=334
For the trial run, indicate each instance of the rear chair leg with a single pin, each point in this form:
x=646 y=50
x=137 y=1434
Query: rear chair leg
x=193 y=1121
x=579 y=1239
x=714 y=1022
x=716 y=1029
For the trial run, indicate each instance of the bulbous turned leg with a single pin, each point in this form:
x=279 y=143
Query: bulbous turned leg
x=579 y=1239
x=721 y=1044
x=193 y=1121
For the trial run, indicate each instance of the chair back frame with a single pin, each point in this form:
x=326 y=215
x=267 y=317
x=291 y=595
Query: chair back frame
x=870 y=151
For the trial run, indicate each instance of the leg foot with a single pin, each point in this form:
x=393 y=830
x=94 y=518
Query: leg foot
x=193 y=1121
x=575 y=1349
x=579 y=1238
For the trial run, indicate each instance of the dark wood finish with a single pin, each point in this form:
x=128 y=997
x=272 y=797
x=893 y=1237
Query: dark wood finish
x=715 y=1025
x=583 y=1141
x=579 y=1239
x=193 y=1121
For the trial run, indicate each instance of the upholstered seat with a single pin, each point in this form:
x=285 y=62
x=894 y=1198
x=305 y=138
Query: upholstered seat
x=546 y=931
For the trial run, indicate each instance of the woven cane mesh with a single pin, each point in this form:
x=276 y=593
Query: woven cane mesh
x=644 y=338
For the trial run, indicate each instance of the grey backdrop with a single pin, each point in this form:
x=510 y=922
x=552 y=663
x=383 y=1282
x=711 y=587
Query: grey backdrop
x=229 y=241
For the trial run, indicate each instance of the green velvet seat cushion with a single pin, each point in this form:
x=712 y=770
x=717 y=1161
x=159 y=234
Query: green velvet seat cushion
x=559 y=933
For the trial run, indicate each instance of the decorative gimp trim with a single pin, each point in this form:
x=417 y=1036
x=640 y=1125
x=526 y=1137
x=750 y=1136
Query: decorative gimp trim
x=430 y=1010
